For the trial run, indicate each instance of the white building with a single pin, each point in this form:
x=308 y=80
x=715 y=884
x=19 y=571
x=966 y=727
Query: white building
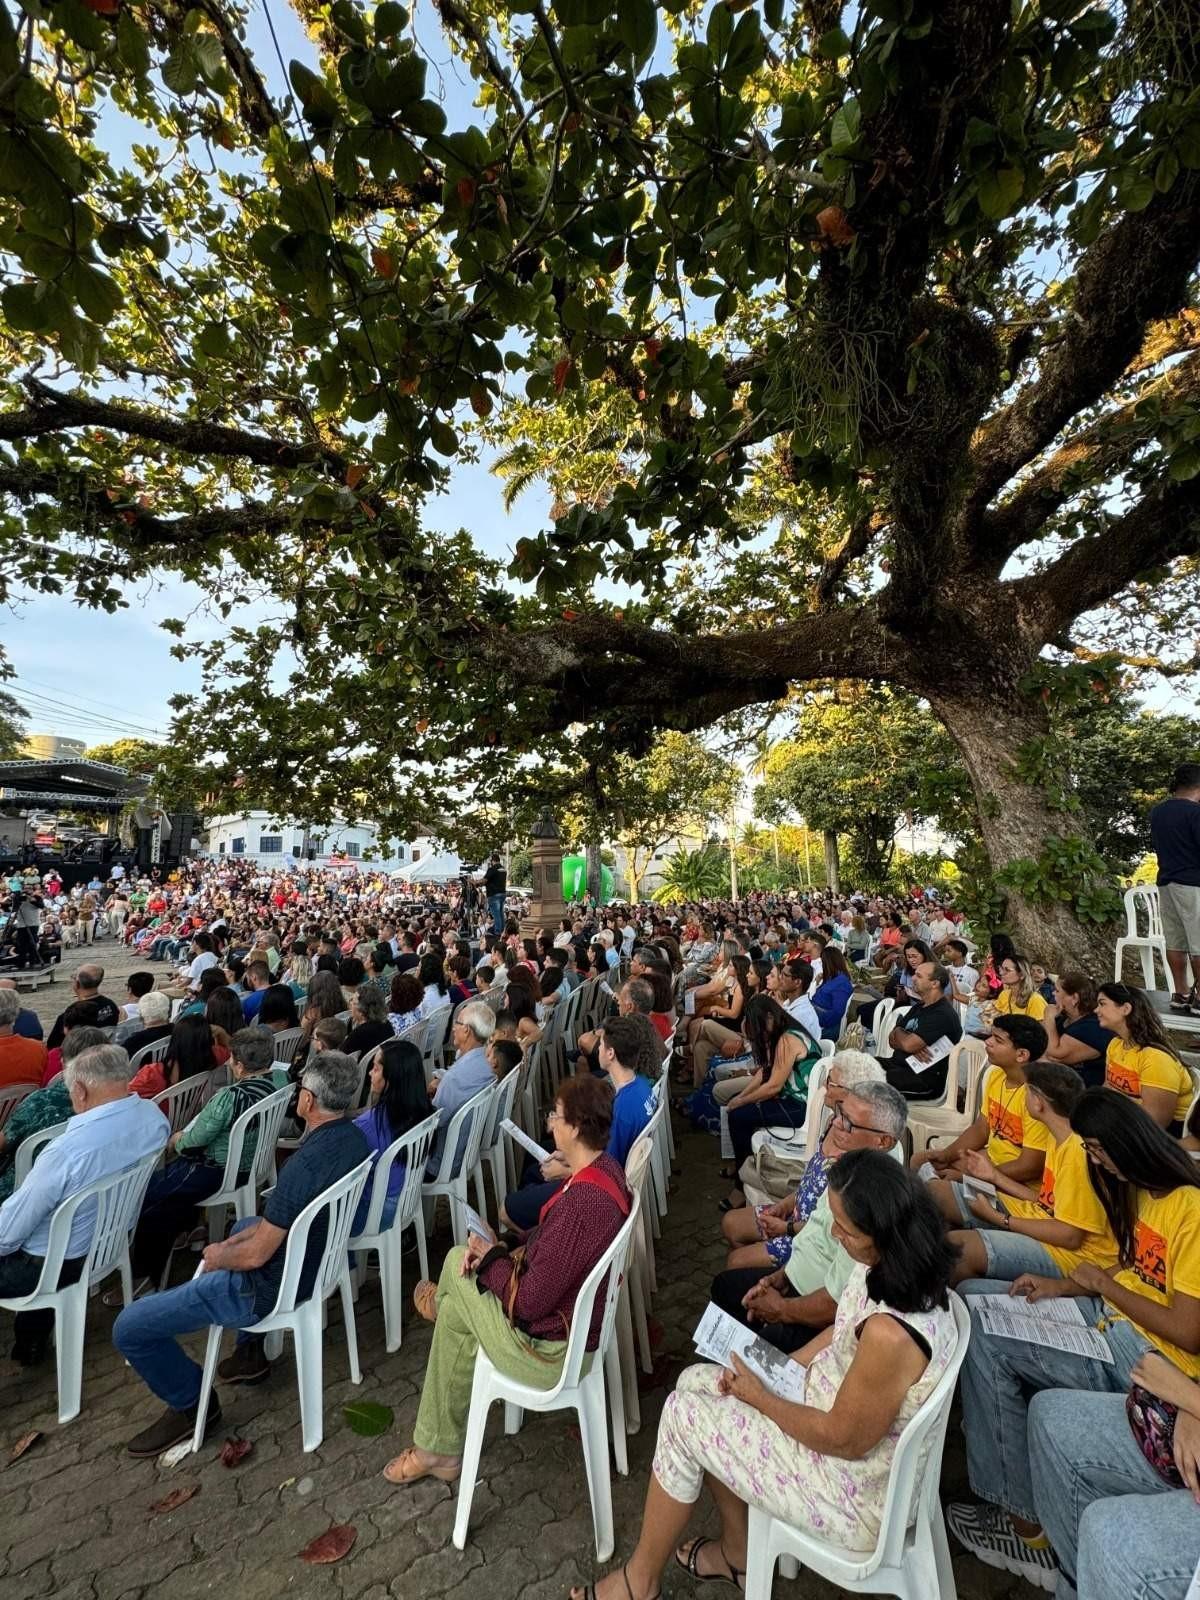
x=258 y=836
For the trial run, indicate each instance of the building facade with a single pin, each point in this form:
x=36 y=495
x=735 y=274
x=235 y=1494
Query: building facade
x=260 y=837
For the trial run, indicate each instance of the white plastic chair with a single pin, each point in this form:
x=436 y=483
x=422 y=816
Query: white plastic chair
x=182 y=1101
x=11 y=1097
x=1144 y=901
x=431 y=1040
x=912 y=1556
x=412 y=1151
x=303 y=1318
x=266 y=1115
x=287 y=1043
x=155 y=1051
x=466 y=1128
x=583 y=1392
x=28 y=1149
x=942 y=1117
x=494 y=1148
x=117 y=1200
x=883 y=1020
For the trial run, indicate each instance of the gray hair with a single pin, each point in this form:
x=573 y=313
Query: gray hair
x=154 y=1006
x=253 y=1049
x=90 y=977
x=10 y=1005
x=79 y=1040
x=641 y=995
x=856 y=1066
x=889 y=1108
x=369 y=998
x=332 y=1078
x=480 y=1018
x=101 y=1067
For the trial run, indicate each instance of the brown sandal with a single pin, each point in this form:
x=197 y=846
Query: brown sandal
x=425 y=1299
x=403 y=1469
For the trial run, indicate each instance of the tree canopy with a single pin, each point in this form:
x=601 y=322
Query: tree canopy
x=12 y=726
x=855 y=343
x=135 y=755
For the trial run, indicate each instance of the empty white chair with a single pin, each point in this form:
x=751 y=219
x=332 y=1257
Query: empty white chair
x=942 y=1117
x=266 y=1118
x=466 y=1128
x=1144 y=903
x=433 y=1036
x=583 y=1392
x=11 y=1097
x=494 y=1146
x=28 y=1149
x=912 y=1556
x=287 y=1043
x=303 y=1318
x=883 y=1020
x=412 y=1151
x=155 y=1051
x=117 y=1200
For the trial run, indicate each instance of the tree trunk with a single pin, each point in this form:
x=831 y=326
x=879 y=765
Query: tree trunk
x=833 y=865
x=1015 y=821
x=595 y=882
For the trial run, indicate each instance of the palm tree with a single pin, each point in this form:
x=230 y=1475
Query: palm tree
x=694 y=875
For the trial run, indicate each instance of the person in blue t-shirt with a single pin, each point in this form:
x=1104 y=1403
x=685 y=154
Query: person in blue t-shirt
x=627 y=1047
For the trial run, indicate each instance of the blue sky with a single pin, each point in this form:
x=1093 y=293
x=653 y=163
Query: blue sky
x=112 y=675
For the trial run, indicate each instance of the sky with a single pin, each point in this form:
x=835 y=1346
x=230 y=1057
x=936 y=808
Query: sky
x=87 y=675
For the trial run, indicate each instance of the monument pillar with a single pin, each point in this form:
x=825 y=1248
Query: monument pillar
x=547 y=906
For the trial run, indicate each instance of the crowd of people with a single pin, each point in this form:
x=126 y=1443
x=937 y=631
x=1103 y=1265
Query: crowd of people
x=1075 y=1180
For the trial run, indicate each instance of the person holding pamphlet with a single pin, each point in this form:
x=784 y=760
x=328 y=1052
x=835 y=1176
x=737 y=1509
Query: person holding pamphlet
x=822 y=1464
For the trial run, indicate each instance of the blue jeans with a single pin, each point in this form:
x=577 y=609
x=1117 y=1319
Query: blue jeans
x=1119 y=1532
x=145 y=1332
x=496 y=911
x=998 y=1378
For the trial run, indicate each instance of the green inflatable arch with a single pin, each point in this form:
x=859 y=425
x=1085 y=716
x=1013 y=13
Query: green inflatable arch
x=574 y=879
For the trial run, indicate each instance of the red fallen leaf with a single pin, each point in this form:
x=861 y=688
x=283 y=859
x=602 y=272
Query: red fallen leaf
x=465 y=190
x=103 y=8
x=331 y=1545
x=561 y=370
x=384 y=263
x=834 y=226
x=235 y=1451
x=354 y=476
x=176 y=1498
x=25 y=1442
x=570 y=616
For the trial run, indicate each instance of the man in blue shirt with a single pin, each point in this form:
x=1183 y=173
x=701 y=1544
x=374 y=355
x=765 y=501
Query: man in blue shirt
x=109 y=1131
x=471 y=1071
x=241 y=1276
x=257 y=977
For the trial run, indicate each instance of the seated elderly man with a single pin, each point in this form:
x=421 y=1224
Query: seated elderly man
x=110 y=1130
x=102 y=1012
x=154 y=1022
x=470 y=1072
x=635 y=997
x=792 y=1304
x=920 y=1039
x=241 y=1276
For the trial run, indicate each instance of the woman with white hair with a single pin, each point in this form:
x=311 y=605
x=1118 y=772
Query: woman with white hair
x=154 y=1010
x=761 y=1236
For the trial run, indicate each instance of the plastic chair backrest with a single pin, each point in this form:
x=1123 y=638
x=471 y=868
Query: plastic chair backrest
x=929 y=1423
x=503 y=1102
x=1143 y=900
x=814 y=1109
x=287 y=1043
x=117 y=1199
x=412 y=1149
x=11 y=1098
x=340 y=1201
x=28 y=1149
x=465 y=1129
x=181 y=1101
x=606 y=1272
x=156 y=1051
x=266 y=1117
x=637 y=1162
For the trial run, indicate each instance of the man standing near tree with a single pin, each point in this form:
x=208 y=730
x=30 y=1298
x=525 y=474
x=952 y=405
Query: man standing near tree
x=1175 y=832
x=495 y=887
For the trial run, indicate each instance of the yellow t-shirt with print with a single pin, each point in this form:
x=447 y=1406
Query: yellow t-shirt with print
x=1067 y=1195
x=1129 y=1068
x=1010 y=1127
x=1034 y=1007
x=1166 y=1260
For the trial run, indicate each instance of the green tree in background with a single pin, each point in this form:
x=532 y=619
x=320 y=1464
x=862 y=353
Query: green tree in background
x=12 y=726
x=700 y=874
x=138 y=756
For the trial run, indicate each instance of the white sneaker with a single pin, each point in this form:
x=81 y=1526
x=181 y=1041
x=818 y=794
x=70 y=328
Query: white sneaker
x=989 y=1535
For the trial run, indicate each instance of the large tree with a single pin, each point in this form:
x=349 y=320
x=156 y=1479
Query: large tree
x=869 y=355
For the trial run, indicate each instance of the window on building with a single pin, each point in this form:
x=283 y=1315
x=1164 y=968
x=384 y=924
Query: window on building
x=416 y=856
x=399 y=852
x=237 y=847
x=221 y=848
x=271 y=844
x=354 y=850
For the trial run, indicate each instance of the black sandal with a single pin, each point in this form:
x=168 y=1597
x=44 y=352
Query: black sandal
x=689 y=1566
x=589 y=1589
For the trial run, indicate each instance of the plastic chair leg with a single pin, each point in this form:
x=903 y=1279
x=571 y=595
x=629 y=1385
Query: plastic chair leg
x=458 y=1192
x=627 y=1358
x=273 y=1346
x=309 y=1375
x=480 y=1191
x=69 y=1316
x=391 y=1288
x=211 y=1351
x=514 y=1417
x=944 y=1586
x=350 y=1325
x=593 y=1426
x=472 y=1450
x=760 y=1558
x=616 y=1406
x=422 y=1243
x=640 y=1323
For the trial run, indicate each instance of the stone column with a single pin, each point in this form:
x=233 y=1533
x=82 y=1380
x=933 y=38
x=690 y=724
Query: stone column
x=547 y=906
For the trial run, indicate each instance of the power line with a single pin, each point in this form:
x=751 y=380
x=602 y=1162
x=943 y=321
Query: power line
x=47 y=705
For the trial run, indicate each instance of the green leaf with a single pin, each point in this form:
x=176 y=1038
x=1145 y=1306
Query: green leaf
x=96 y=292
x=833 y=44
x=999 y=189
x=132 y=46
x=368 y=1418
x=390 y=19
x=658 y=98
x=24 y=308
x=208 y=55
x=443 y=438
x=637 y=27
x=847 y=122
x=719 y=31
x=1185 y=463
x=1135 y=190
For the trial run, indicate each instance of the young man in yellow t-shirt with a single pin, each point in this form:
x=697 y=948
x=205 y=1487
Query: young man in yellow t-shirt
x=1044 y=1230
x=1003 y=1135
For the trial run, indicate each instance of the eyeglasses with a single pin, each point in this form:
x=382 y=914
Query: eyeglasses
x=851 y=1126
x=554 y=1116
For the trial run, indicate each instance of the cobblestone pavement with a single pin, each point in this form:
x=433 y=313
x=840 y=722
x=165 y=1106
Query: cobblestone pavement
x=75 y=1512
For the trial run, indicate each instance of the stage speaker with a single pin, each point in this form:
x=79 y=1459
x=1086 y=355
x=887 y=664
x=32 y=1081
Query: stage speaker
x=183 y=825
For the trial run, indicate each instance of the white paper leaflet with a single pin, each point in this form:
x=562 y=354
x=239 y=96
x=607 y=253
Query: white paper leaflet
x=718 y=1335
x=1056 y=1324
x=523 y=1139
x=938 y=1051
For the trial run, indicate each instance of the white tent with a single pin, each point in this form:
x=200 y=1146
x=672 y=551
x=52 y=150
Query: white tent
x=439 y=868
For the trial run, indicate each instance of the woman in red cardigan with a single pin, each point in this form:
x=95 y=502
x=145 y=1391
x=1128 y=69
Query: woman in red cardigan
x=520 y=1318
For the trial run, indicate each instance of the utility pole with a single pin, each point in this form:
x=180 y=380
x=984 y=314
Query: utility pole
x=733 y=883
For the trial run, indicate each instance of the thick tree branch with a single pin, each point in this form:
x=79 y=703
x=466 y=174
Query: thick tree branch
x=1162 y=526
x=856 y=543
x=1136 y=273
